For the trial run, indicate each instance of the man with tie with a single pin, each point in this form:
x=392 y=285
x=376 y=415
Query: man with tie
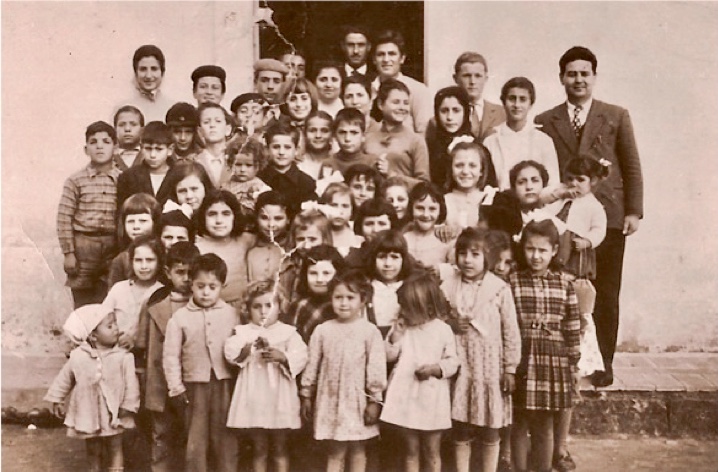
x=583 y=126
x=355 y=46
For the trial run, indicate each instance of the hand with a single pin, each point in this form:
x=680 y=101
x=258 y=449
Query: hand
x=244 y=353
x=306 y=408
x=180 y=401
x=630 y=224
x=567 y=192
x=446 y=233
x=508 y=383
x=272 y=354
x=261 y=343
x=371 y=413
x=382 y=165
x=425 y=372
x=463 y=324
x=58 y=410
x=581 y=243
x=576 y=378
x=398 y=331
x=70 y=264
x=126 y=341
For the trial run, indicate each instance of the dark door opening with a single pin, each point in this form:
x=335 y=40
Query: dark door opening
x=315 y=28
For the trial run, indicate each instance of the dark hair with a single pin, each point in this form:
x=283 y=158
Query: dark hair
x=181 y=171
x=358 y=170
x=355 y=281
x=240 y=100
x=129 y=109
x=148 y=50
x=515 y=170
x=323 y=252
x=387 y=86
x=471 y=237
x=577 y=53
x=518 y=82
x=319 y=66
x=545 y=228
x=156 y=132
x=155 y=246
x=464 y=100
x=281 y=128
x=181 y=252
x=470 y=57
x=387 y=242
x=178 y=219
x=220 y=196
x=350 y=116
x=419 y=193
x=271 y=197
x=299 y=86
x=354 y=29
x=100 y=127
x=390 y=36
x=498 y=241
x=484 y=158
x=421 y=300
x=356 y=79
x=210 y=263
x=137 y=204
x=586 y=166
x=371 y=209
x=320 y=114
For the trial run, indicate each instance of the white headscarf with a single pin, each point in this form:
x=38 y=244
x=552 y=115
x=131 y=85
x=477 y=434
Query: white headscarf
x=83 y=321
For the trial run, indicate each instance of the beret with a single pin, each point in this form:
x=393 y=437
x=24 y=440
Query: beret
x=244 y=98
x=209 y=71
x=270 y=64
x=181 y=114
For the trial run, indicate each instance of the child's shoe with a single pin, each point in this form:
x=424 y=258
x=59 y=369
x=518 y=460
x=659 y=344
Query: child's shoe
x=564 y=463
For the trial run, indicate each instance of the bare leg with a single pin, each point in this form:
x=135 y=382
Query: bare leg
x=412 y=449
x=94 y=454
x=561 y=427
x=260 y=449
x=431 y=450
x=280 y=458
x=337 y=451
x=357 y=456
x=520 y=440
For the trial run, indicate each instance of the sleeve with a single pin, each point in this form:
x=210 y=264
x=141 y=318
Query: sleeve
x=65 y=213
x=597 y=227
x=630 y=164
x=172 y=358
x=511 y=336
x=233 y=346
x=393 y=350
x=571 y=326
x=310 y=375
x=117 y=270
x=421 y=110
x=62 y=385
x=449 y=362
x=131 y=397
x=123 y=190
x=375 y=366
x=420 y=163
x=296 y=356
x=549 y=158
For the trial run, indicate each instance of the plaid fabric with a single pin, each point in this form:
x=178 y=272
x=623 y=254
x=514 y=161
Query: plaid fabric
x=550 y=326
x=307 y=313
x=87 y=205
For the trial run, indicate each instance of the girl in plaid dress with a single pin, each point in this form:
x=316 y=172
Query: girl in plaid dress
x=550 y=326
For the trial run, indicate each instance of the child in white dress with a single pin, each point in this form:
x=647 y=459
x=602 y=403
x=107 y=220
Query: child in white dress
x=270 y=355
x=423 y=347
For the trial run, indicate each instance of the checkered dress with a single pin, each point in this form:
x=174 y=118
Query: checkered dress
x=550 y=340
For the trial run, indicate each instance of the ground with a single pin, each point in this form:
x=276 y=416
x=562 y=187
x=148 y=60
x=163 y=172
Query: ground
x=26 y=450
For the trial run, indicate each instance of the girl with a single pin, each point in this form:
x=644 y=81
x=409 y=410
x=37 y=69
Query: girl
x=338 y=196
x=270 y=355
x=426 y=210
x=356 y=93
x=452 y=107
x=126 y=297
x=345 y=376
x=103 y=400
x=550 y=336
x=138 y=216
x=220 y=232
x=400 y=150
x=390 y=264
x=265 y=257
x=301 y=101
x=328 y=80
x=488 y=345
x=316 y=162
x=467 y=190
x=500 y=244
x=245 y=185
x=174 y=226
x=423 y=347
x=363 y=181
x=215 y=128
x=189 y=184
x=518 y=140
x=395 y=190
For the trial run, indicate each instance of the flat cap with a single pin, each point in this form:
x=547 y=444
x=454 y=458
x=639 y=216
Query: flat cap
x=209 y=71
x=270 y=64
x=244 y=98
x=181 y=114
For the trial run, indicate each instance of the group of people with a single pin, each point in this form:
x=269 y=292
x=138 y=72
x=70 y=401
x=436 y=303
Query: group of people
x=329 y=258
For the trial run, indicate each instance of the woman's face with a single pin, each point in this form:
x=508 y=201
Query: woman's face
x=356 y=96
x=395 y=108
x=528 y=186
x=190 y=190
x=329 y=84
x=451 y=114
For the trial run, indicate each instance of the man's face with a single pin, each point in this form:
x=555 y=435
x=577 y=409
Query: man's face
x=578 y=79
x=208 y=90
x=149 y=73
x=388 y=60
x=472 y=77
x=269 y=85
x=296 y=64
x=356 y=49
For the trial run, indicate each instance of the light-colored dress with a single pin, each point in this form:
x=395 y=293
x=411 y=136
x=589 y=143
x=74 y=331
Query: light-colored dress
x=490 y=348
x=101 y=383
x=265 y=395
x=421 y=404
x=346 y=368
x=462 y=210
x=428 y=249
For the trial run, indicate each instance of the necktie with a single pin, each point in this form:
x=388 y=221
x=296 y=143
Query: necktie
x=475 y=120
x=577 y=120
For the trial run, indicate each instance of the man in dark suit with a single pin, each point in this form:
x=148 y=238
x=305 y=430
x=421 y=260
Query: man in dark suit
x=355 y=46
x=586 y=127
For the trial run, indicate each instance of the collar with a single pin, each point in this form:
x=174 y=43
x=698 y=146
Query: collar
x=586 y=107
x=92 y=171
x=387 y=286
x=192 y=306
x=359 y=70
x=478 y=106
x=134 y=149
x=151 y=95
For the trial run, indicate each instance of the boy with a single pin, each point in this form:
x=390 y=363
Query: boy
x=149 y=177
x=363 y=182
x=198 y=377
x=249 y=111
x=86 y=222
x=282 y=173
x=295 y=63
x=214 y=129
x=167 y=422
x=349 y=127
x=128 y=125
x=182 y=120
x=209 y=84
x=269 y=78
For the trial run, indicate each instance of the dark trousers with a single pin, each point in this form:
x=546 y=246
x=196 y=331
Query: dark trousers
x=609 y=268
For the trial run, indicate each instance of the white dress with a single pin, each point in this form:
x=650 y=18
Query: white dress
x=265 y=395
x=416 y=404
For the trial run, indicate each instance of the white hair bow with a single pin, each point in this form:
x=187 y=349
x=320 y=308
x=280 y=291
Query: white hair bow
x=459 y=139
x=171 y=205
x=541 y=215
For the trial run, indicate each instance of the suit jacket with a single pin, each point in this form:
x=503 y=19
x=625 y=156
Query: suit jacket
x=607 y=134
x=137 y=180
x=492 y=116
x=224 y=177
